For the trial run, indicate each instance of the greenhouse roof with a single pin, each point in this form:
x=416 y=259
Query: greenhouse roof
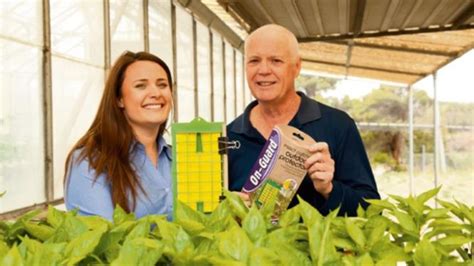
x=392 y=40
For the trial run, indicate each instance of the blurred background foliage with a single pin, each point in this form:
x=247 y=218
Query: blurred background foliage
x=382 y=118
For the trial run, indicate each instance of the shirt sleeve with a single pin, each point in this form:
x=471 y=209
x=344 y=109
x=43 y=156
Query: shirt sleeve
x=83 y=192
x=353 y=178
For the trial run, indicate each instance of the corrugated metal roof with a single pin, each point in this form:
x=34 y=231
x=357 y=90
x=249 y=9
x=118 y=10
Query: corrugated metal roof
x=393 y=40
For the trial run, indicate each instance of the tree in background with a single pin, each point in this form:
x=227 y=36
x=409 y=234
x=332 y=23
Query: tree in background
x=315 y=85
x=389 y=104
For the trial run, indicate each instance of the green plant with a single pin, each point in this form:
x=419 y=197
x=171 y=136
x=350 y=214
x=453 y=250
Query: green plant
x=389 y=231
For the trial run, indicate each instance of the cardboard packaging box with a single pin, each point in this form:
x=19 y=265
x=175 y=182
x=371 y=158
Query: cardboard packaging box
x=279 y=170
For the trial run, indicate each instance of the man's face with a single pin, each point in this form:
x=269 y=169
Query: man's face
x=271 y=67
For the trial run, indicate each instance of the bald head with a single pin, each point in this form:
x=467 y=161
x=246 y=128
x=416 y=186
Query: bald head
x=272 y=33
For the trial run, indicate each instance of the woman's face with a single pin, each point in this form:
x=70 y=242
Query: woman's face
x=146 y=95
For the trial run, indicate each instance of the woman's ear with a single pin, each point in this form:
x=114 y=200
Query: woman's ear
x=120 y=103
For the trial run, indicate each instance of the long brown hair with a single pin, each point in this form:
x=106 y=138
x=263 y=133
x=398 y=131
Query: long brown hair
x=107 y=143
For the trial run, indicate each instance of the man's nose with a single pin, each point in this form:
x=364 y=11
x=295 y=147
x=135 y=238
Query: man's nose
x=264 y=68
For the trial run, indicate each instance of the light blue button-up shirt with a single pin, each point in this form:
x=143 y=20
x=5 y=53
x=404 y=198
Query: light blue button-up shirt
x=94 y=197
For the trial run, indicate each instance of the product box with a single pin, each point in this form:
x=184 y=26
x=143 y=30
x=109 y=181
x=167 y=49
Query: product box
x=279 y=170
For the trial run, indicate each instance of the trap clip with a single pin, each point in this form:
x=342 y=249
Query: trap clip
x=225 y=144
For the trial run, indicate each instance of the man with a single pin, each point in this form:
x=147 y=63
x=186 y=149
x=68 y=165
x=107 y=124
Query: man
x=339 y=172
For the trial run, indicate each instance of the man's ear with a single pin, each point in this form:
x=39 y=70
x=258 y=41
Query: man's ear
x=298 y=66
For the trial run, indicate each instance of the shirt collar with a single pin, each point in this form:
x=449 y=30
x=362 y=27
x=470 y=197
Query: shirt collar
x=162 y=147
x=308 y=111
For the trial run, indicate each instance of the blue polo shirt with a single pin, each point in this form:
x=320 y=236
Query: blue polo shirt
x=94 y=197
x=353 y=178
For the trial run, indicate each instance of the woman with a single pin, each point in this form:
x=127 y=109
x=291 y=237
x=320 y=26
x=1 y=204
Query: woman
x=123 y=158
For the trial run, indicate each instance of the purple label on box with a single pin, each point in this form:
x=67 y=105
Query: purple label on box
x=264 y=163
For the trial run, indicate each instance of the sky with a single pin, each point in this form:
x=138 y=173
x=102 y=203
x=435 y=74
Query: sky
x=455 y=82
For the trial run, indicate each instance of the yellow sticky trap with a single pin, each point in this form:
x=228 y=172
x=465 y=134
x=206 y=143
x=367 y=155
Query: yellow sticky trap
x=197 y=164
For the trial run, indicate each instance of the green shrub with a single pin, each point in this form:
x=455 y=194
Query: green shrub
x=383 y=158
x=392 y=230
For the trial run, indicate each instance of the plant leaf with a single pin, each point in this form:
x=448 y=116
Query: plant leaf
x=55 y=217
x=120 y=216
x=344 y=243
x=427 y=195
x=468 y=213
x=141 y=230
x=192 y=227
x=290 y=217
x=3 y=248
x=453 y=208
x=365 y=260
x=218 y=220
x=415 y=207
x=321 y=247
x=437 y=213
x=385 y=204
x=83 y=244
x=425 y=254
x=377 y=232
x=360 y=211
x=140 y=251
x=94 y=222
x=234 y=244
x=453 y=241
x=183 y=211
x=237 y=206
x=39 y=231
x=12 y=258
x=263 y=256
x=406 y=222
x=309 y=214
x=254 y=224
x=356 y=234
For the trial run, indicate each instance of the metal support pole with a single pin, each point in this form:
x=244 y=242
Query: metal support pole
x=243 y=82
x=146 y=27
x=47 y=106
x=211 y=61
x=410 y=141
x=107 y=38
x=195 y=71
x=234 y=81
x=174 y=42
x=436 y=130
x=224 y=63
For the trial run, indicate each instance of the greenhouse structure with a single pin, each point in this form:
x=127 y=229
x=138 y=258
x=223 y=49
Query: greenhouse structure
x=402 y=69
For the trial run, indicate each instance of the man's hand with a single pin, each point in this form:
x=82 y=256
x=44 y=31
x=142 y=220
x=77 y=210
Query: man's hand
x=320 y=168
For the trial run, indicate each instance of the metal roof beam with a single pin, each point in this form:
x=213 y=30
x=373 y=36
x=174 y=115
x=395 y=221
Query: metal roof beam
x=451 y=59
x=246 y=21
x=350 y=44
x=317 y=16
x=392 y=8
x=381 y=34
x=395 y=48
x=359 y=17
x=365 y=67
x=464 y=16
x=211 y=20
x=295 y=17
